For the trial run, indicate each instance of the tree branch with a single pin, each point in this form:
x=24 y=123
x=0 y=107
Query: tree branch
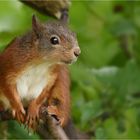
x=53 y=8
x=47 y=127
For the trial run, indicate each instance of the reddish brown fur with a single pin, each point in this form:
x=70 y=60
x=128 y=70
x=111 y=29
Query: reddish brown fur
x=60 y=88
x=33 y=49
x=11 y=65
x=59 y=101
x=59 y=93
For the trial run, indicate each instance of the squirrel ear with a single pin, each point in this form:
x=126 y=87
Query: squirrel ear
x=64 y=16
x=36 y=25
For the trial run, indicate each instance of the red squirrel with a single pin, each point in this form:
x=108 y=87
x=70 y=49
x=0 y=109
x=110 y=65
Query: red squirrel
x=33 y=70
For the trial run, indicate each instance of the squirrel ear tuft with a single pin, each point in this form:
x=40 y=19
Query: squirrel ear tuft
x=64 y=16
x=35 y=25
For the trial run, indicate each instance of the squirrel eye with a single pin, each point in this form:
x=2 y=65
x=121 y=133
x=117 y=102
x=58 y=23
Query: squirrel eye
x=54 y=40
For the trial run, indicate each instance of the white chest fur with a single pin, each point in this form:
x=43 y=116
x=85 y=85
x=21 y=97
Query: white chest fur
x=33 y=80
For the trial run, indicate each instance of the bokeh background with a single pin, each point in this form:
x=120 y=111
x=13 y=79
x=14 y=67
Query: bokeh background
x=105 y=88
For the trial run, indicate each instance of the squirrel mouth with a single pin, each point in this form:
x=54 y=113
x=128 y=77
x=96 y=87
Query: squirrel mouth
x=69 y=61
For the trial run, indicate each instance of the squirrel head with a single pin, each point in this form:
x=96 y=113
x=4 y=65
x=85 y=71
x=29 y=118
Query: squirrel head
x=54 y=42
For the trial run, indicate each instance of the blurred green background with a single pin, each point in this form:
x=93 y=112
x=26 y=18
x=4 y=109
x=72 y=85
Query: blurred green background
x=105 y=87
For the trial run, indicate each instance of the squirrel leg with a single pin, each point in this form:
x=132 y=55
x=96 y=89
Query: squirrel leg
x=33 y=110
x=11 y=94
x=33 y=115
x=58 y=103
x=55 y=112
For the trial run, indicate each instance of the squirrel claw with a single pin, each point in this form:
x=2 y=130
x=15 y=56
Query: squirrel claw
x=60 y=122
x=19 y=114
x=52 y=111
x=31 y=123
x=32 y=116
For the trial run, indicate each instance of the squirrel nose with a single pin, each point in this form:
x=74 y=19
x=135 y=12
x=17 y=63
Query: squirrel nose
x=77 y=52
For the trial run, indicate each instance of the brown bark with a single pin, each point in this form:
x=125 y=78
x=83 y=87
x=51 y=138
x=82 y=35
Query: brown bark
x=53 y=8
x=47 y=128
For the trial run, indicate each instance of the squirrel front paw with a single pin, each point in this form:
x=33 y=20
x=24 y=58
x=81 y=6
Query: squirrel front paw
x=18 y=113
x=53 y=111
x=32 y=116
